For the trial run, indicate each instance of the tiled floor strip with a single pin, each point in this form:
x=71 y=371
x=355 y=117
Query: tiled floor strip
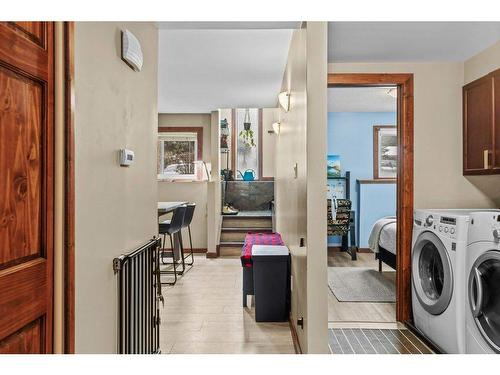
x=375 y=341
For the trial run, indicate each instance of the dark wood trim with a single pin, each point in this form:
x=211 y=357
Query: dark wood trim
x=295 y=337
x=212 y=255
x=69 y=191
x=379 y=181
x=404 y=83
x=376 y=130
x=338 y=249
x=196 y=250
x=260 y=143
x=186 y=129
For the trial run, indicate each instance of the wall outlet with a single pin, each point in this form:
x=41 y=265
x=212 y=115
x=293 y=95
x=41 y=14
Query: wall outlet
x=296 y=170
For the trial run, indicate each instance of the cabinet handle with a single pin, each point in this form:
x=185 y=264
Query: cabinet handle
x=486 y=154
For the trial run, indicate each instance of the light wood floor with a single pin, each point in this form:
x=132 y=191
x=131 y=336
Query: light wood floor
x=203 y=313
x=358 y=311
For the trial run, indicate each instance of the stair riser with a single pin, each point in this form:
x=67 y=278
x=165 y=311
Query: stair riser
x=246 y=223
x=230 y=251
x=232 y=236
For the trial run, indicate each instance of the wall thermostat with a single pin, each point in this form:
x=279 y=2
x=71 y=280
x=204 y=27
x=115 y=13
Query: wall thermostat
x=126 y=157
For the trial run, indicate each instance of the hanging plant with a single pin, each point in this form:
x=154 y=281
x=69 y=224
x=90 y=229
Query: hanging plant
x=247 y=134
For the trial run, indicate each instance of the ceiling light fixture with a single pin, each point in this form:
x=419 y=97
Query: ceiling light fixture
x=284 y=100
x=393 y=92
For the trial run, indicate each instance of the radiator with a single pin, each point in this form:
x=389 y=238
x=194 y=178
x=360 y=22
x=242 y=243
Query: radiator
x=139 y=297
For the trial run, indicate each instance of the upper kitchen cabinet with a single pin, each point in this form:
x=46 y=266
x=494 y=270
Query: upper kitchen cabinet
x=481 y=136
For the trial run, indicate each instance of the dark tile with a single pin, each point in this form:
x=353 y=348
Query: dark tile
x=384 y=341
x=333 y=343
x=343 y=342
x=356 y=346
x=363 y=341
x=416 y=342
x=377 y=345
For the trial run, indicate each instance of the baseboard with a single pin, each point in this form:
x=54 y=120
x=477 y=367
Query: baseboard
x=338 y=249
x=196 y=250
x=295 y=337
x=212 y=255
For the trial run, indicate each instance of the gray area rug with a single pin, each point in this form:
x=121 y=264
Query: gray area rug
x=360 y=284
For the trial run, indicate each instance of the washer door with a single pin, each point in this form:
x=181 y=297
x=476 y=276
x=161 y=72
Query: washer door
x=431 y=273
x=484 y=296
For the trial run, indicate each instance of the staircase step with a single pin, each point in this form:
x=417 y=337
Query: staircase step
x=238 y=234
x=231 y=244
x=246 y=222
x=230 y=251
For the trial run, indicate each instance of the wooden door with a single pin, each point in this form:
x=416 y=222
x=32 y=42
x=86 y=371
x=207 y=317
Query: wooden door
x=26 y=187
x=496 y=128
x=477 y=135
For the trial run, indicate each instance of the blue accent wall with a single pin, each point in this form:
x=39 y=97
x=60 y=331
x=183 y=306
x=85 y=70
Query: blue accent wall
x=350 y=135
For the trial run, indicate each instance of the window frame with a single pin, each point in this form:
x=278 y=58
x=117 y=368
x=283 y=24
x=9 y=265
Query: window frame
x=199 y=145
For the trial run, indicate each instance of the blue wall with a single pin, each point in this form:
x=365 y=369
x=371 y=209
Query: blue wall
x=350 y=135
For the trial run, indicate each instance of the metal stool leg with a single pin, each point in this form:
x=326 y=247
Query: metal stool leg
x=179 y=236
x=174 y=263
x=191 y=245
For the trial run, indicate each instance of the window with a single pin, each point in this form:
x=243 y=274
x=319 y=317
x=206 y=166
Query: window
x=385 y=152
x=248 y=151
x=179 y=149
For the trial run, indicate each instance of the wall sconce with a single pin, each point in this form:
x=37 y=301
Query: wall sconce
x=284 y=100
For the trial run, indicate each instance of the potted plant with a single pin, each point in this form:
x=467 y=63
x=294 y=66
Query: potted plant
x=247 y=134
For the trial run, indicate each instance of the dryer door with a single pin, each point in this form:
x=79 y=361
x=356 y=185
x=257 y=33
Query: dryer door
x=484 y=296
x=431 y=273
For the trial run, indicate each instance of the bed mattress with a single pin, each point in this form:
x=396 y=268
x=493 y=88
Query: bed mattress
x=387 y=238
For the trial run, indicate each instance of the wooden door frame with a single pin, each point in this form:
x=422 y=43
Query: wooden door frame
x=404 y=83
x=69 y=190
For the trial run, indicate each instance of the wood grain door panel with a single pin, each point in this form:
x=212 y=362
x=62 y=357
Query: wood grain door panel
x=26 y=183
x=477 y=125
x=496 y=128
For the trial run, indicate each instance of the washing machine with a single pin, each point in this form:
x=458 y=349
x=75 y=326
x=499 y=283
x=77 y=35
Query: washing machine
x=438 y=253
x=482 y=268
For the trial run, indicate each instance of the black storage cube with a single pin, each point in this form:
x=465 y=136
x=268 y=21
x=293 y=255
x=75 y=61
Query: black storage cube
x=271 y=277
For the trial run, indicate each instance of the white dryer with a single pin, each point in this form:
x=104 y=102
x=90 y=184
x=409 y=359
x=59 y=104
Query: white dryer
x=438 y=258
x=482 y=267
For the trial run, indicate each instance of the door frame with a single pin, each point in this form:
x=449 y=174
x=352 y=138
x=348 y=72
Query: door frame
x=69 y=191
x=404 y=84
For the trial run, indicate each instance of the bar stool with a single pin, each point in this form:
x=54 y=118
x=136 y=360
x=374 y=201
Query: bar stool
x=172 y=227
x=188 y=217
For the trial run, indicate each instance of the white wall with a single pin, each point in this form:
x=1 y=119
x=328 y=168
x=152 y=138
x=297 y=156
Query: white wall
x=195 y=192
x=302 y=142
x=269 y=116
x=438 y=179
x=116 y=207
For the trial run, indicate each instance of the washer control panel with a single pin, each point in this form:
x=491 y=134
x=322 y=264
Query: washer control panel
x=446 y=226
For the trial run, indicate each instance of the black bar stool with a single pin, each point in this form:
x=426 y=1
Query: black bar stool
x=172 y=227
x=188 y=217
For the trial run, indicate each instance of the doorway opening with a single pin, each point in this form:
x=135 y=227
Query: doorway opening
x=391 y=149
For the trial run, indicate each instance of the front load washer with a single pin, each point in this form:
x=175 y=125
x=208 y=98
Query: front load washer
x=438 y=257
x=482 y=269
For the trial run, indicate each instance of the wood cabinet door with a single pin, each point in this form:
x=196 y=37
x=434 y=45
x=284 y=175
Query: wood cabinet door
x=478 y=108
x=496 y=127
x=26 y=186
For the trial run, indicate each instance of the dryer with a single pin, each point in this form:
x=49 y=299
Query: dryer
x=438 y=257
x=482 y=269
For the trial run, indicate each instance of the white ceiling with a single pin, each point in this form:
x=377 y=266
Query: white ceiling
x=360 y=99
x=409 y=41
x=227 y=25
x=202 y=70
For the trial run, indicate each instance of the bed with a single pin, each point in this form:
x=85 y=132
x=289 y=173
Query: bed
x=382 y=241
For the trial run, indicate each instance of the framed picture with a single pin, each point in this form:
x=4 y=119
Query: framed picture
x=385 y=152
x=333 y=166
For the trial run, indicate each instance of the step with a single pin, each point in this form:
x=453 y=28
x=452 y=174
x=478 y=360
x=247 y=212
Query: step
x=230 y=249
x=246 y=222
x=238 y=234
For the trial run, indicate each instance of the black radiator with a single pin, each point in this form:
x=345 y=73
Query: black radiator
x=139 y=295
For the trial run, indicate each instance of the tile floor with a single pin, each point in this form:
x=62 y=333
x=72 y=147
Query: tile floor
x=203 y=313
